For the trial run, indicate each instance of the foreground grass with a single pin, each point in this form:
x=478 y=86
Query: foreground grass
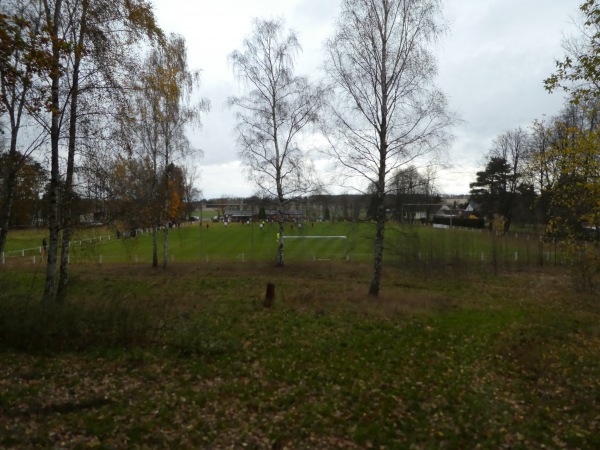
x=188 y=357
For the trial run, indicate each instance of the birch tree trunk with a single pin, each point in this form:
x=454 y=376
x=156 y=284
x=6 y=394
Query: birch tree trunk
x=53 y=18
x=68 y=189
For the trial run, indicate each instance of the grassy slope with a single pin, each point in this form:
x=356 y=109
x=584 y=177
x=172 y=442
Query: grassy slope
x=188 y=357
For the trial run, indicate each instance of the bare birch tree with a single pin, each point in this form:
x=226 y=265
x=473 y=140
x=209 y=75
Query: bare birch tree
x=514 y=148
x=274 y=116
x=161 y=112
x=387 y=111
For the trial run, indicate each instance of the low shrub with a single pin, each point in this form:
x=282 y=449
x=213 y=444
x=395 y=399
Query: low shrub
x=37 y=327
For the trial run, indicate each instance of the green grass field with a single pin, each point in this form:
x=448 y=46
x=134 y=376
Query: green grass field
x=188 y=357
x=404 y=244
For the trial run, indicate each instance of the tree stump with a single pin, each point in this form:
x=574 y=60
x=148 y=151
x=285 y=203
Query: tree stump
x=269 y=296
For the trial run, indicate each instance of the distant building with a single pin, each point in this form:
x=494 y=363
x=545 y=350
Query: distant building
x=238 y=215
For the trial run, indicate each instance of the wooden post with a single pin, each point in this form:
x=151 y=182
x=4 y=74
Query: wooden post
x=269 y=296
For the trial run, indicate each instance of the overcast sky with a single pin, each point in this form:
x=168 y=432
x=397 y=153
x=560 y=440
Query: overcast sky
x=491 y=66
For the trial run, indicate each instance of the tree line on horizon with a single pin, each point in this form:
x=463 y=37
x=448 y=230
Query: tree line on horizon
x=545 y=175
x=551 y=170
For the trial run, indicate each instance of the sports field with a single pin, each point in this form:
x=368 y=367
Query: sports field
x=239 y=242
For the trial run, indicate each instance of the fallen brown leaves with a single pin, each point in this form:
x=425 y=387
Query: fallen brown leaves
x=509 y=361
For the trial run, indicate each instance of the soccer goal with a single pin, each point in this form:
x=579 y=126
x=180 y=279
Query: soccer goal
x=317 y=248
